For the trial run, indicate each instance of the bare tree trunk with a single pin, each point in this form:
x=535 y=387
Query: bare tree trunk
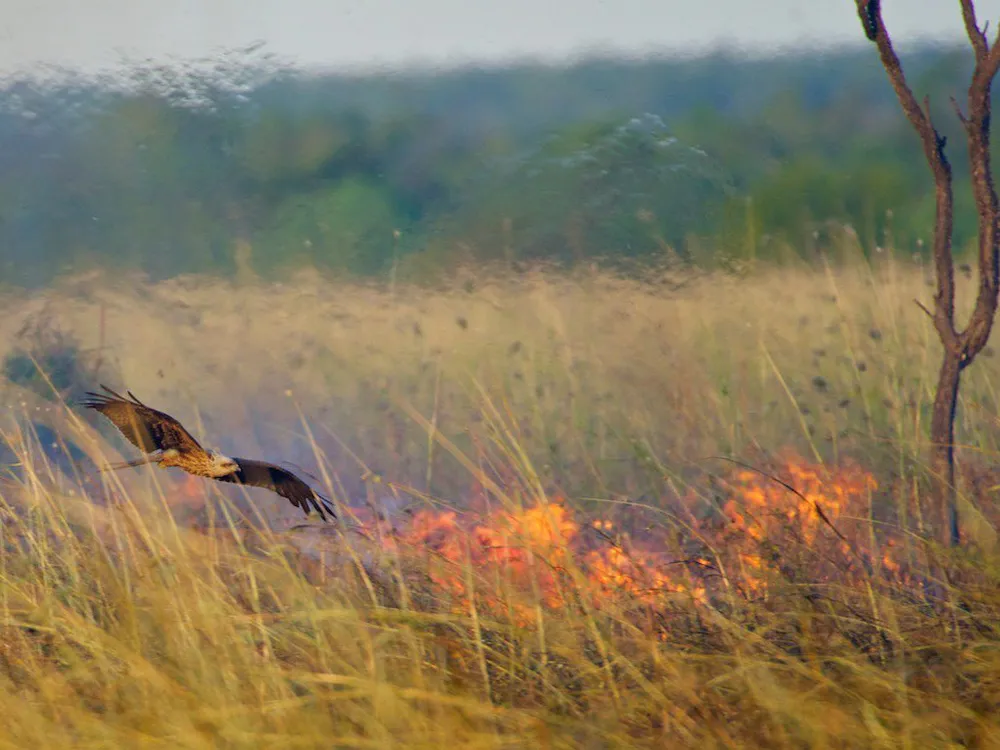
x=960 y=347
x=943 y=443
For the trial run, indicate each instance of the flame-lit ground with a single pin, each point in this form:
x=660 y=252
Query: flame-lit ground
x=539 y=554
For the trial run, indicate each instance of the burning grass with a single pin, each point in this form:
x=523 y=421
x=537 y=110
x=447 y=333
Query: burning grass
x=537 y=549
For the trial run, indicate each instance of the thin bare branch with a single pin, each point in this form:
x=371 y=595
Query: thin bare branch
x=986 y=72
x=871 y=18
x=977 y=128
x=924 y=308
x=976 y=36
x=958 y=111
x=870 y=13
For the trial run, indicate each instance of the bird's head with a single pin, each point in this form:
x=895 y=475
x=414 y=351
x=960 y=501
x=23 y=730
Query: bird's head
x=222 y=465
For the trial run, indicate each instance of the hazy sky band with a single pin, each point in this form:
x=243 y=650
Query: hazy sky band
x=96 y=34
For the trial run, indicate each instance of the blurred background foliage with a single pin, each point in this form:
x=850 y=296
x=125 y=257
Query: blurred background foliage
x=248 y=165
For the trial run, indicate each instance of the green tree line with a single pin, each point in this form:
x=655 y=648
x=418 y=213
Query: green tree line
x=251 y=165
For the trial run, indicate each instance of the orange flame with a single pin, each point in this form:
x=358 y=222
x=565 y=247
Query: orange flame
x=519 y=561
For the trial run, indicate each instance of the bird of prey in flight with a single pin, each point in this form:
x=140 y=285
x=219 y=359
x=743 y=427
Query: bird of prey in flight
x=167 y=443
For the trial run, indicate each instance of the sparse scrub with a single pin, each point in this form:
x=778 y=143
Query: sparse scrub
x=539 y=545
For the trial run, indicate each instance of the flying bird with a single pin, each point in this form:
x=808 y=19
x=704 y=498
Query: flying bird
x=167 y=443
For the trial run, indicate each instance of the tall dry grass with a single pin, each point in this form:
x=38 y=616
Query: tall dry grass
x=501 y=399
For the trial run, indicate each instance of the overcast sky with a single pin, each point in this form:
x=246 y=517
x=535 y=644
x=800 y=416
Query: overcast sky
x=94 y=34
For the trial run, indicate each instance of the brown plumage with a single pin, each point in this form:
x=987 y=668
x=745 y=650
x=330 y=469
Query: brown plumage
x=167 y=443
x=147 y=429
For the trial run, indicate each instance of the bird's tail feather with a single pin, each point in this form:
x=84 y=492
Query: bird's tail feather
x=130 y=464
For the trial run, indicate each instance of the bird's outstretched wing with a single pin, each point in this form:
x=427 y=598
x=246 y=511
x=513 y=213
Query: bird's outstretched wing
x=147 y=429
x=281 y=481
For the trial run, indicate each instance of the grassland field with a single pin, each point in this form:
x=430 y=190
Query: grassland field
x=553 y=552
